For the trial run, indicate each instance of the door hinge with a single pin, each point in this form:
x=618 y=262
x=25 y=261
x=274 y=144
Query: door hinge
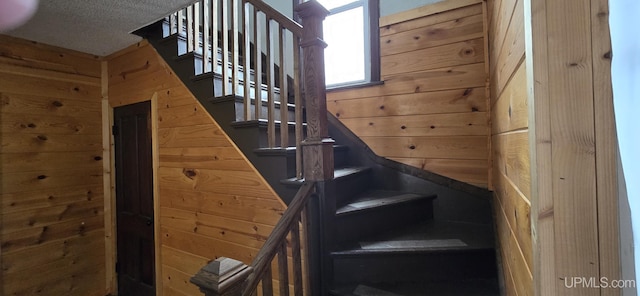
x=115 y=130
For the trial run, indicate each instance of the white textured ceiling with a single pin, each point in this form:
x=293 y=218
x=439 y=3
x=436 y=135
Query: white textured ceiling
x=98 y=27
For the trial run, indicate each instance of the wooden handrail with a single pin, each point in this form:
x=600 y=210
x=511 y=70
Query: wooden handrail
x=230 y=277
x=285 y=21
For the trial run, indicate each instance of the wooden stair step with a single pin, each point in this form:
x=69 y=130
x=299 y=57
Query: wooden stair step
x=338 y=175
x=466 y=287
x=378 y=198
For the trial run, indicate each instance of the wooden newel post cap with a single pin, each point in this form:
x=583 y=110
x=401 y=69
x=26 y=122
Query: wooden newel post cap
x=222 y=277
x=311 y=8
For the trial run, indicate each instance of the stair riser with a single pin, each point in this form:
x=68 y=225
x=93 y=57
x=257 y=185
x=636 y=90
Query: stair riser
x=432 y=267
x=355 y=226
x=288 y=160
x=349 y=187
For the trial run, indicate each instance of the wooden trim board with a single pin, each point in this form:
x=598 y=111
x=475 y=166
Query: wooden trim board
x=425 y=11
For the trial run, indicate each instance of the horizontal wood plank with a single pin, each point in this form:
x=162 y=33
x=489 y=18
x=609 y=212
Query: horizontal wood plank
x=449 y=55
x=458 y=30
x=11 y=103
x=259 y=210
x=453 y=124
x=511 y=110
x=451 y=78
x=219 y=158
x=442 y=17
x=231 y=230
x=207 y=135
x=511 y=54
x=42 y=180
x=20 y=143
x=517 y=209
x=511 y=158
x=49 y=124
x=41 y=56
x=33 y=237
x=466 y=170
x=50 y=161
x=186 y=115
x=466 y=147
x=20 y=221
x=215 y=181
x=424 y=11
x=437 y=102
x=62 y=195
x=27 y=85
x=9 y=68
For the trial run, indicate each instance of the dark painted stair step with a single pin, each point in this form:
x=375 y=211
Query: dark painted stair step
x=285 y=159
x=237 y=103
x=459 y=287
x=361 y=216
x=349 y=181
x=429 y=252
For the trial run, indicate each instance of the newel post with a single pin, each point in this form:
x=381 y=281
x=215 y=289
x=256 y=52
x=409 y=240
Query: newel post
x=317 y=149
x=222 y=277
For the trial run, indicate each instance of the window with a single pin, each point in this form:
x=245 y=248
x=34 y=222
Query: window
x=351 y=30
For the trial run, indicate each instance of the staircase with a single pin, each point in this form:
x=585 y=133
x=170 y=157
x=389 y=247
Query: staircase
x=390 y=229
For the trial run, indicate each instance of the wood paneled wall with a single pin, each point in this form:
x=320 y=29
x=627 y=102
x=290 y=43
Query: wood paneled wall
x=431 y=111
x=51 y=158
x=212 y=201
x=510 y=143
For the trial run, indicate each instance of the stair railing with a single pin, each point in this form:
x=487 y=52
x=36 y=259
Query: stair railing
x=229 y=277
x=256 y=51
x=228 y=37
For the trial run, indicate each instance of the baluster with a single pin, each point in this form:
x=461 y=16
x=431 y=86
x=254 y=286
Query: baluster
x=298 y=104
x=257 y=61
x=225 y=47
x=271 y=122
x=215 y=20
x=284 y=92
x=196 y=27
x=206 y=46
x=296 y=257
x=180 y=24
x=267 y=282
x=283 y=270
x=173 y=23
x=235 y=19
x=247 y=59
x=190 y=28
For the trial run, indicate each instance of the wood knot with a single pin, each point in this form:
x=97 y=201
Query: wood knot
x=467 y=92
x=42 y=177
x=433 y=126
x=97 y=158
x=31 y=125
x=403 y=127
x=381 y=107
x=338 y=114
x=189 y=173
x=57 y=104
x=42 y=138
x=76 y=88
x=608 y=55
x=474 y=109
x=412 y=147
x=417 y=37
x=370 y=123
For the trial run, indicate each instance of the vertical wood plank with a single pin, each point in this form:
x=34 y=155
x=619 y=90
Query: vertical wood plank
x=225 y=47
x=271 y=121
x=257 y=61
x=297 y=259
x=542 y=202
x=283 y=270
x=284 y=93
x=107 y=169
x=267 y=282
x=606 y=146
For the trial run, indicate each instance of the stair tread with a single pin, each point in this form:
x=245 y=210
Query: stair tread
x=467 y=287
x=337 y=174
x=378 y=198
x=288 y=150
x=430 y=236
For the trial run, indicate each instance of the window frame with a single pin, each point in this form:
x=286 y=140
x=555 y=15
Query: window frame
x=371 y=18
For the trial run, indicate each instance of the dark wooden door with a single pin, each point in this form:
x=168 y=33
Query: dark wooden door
x=134 y=200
